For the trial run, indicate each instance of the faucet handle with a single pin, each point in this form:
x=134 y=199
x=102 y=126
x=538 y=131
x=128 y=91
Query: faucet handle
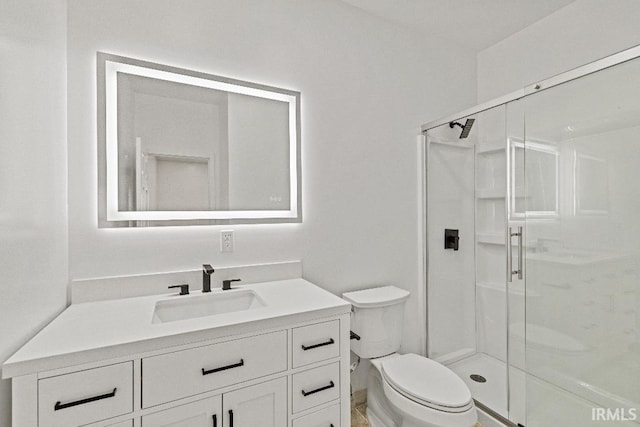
x=184 y=289
x=226 y=284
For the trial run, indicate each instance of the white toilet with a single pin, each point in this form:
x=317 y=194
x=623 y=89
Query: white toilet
x=403 y=390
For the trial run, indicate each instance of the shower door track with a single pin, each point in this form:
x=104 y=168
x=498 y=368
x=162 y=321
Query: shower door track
x=494 y=414
x=583 y=70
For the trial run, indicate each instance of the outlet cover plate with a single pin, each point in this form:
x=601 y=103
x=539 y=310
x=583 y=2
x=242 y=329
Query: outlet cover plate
x=226 y=241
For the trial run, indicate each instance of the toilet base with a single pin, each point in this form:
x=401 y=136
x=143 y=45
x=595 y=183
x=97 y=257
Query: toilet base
x=379 y=412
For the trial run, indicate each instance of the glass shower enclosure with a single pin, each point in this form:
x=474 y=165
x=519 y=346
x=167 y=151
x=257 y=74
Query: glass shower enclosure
x=533 y=248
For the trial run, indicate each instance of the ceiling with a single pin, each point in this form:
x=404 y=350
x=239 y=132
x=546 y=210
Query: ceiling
x=475 y=24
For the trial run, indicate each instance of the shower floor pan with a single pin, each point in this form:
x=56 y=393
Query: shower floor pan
x=567 y=403
x=491 y=393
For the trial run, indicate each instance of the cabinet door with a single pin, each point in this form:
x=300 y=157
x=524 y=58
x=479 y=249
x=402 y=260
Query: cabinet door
x=202 y=413
x=263 y=405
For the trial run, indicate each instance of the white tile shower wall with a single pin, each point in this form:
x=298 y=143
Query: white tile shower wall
x=33 y=174
x=579 y=33
x=366 y=87
x=451 y=279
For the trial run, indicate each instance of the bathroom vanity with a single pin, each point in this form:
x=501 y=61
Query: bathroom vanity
x=271 y=354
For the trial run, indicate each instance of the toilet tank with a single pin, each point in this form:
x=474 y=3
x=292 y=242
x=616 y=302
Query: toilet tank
x=377 y=318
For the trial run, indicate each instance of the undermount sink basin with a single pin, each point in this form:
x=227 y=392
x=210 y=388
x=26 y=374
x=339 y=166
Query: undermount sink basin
x=189 y=307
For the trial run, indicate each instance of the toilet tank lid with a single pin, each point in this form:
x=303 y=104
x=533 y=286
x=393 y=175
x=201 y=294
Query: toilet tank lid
x=376 y=297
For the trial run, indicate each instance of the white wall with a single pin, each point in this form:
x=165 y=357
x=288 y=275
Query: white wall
x=582 y=32
x=33 y=173
x=366 y=87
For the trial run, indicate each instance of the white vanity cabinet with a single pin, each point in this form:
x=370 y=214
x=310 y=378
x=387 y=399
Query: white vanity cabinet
x=287 y=368
x=239 y=382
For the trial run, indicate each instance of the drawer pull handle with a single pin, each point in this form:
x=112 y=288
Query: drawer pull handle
x=223 y=368
x=307 y=393
x=215 y=420
x=230 y=418
x=322 y=344
x=59 y=405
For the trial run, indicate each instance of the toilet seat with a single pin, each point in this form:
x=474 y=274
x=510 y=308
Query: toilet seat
x=427 y=383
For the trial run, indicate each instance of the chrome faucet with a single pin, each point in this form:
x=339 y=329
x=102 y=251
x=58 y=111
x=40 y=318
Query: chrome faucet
x=207 y=271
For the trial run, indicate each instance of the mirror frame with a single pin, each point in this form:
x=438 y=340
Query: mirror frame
x=108 y=66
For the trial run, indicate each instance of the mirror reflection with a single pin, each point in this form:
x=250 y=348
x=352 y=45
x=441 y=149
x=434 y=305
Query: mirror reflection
x=591 y=184
x=540 y=197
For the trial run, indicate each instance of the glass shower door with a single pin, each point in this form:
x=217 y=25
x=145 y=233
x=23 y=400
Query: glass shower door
x=515 y=271
x=581 y=206
x=467 y=193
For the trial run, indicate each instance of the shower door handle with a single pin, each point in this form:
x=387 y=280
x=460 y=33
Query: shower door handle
x=510 y=270
x=520 y=253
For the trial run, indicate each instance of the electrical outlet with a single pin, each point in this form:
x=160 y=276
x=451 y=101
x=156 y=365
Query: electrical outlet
x=226 y=241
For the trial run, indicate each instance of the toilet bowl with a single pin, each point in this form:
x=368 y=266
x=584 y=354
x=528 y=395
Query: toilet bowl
x=403 y=390
x=422 y=392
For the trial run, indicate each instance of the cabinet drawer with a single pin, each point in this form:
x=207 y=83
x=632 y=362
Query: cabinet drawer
x=328 y=417
x=185 y=373
x=316 y=386
x=315 y=343
x=86 y=396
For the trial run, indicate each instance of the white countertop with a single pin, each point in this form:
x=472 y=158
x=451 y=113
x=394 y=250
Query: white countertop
x=95 y=331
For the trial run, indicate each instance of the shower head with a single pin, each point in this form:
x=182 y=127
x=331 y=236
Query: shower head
x=466 y=128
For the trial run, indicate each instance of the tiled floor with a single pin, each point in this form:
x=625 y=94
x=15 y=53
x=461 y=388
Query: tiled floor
x=359 y=416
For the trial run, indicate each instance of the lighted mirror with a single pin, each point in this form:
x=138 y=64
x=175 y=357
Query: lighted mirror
x=540 y=200
x=181 y=147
